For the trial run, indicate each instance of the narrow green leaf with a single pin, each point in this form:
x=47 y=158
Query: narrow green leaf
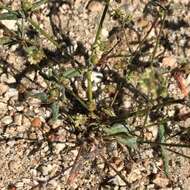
x=9 y=16
x=37 y=4
x=70 y=73
x=5 y=40
x=122 y=135
x=117 y=128
x=55 y=111
x=130 y=141
x=161 y=132
x=41 y=96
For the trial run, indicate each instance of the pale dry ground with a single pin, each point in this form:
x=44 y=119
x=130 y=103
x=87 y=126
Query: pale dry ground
x=26 y=165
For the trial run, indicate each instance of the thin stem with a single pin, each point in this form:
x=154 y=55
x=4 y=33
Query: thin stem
x=164 y=144
x=36 y=26
x=92 y=61
x=89 y=78
x=142 y=112
x=114 y=169
x=178 y=153
x=157 y=40
x=100 y=25
x=138 y=49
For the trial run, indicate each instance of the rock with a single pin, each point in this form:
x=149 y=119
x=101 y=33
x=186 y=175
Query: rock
x=104 y=34
x=18 y=119
x=10 y=24
x=7 y=120
x=32 y=135
x=31 y=75
x=20 y=108
x=14 y=166
x=95 y=6
x=20 y=185
x=59 y=147
x=134 y=175
x=188 y=80
x=3 y=88
x=11 y=93
x=47 y=169
x=118 y=181
x=3 y=108
x=160 y=181
x=21 y=129
x=7 y=78
x=36 y=122
x=169 y=61
x=41 y=82
x=182 y=1
x=26 y=180
x=33 y=172
x=55 y=184
x=34 y=101
x=154 y=132
x=26 y=122
x=56 y=124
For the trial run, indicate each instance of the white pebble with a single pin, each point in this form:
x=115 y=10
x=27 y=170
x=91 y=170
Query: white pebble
x=7 y=78
x=18 y=119
x=105 y=33
x=3 y=108
x=7 y=120
x=12 y=92
x=46 y=169
x=59 y=147
x=10 y=24
x=3 y=88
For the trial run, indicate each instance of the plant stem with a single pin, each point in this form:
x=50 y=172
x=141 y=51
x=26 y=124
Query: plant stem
x=36 y=26
x=101 y=24
x=92 y=59
x=158 y=39
x=165 y=144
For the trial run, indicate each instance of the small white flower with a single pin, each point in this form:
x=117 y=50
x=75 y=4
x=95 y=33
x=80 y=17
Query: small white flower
x=96 y=78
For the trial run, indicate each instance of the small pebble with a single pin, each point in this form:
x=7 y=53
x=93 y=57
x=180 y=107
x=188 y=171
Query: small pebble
x=10 y=24
x=36 y=122
x=14 y=166
x=12 y=92
x=3 y=108
x=18 y=119
x=7 y=78
x=3 y=88
x=161 y=182
x=95 y=6
x=46 y=169
x=7 y=120
x=59 y=147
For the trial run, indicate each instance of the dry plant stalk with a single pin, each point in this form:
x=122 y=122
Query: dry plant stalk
x=81 y=158
x=181 y=83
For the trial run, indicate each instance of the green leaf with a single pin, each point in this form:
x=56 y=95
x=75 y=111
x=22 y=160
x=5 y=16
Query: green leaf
x=9 y=16
x=41 y=96
x=117 y=128
x=5 y=40
x=55 y=111
x=70 y=73
x=37 y=4
x=130 y=141
x=122 y=135
x=161 y=132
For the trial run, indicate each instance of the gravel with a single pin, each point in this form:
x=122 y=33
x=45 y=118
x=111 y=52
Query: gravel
x=43 y=156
